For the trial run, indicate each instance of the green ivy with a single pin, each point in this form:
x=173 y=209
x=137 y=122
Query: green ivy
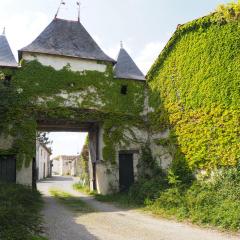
x=196 y=80
x=40 y=92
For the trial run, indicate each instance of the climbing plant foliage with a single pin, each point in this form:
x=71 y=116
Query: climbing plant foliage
x=39 y=92
x=195 y=89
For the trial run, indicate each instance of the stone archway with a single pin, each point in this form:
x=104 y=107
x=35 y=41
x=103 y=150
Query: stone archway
x=91 y=127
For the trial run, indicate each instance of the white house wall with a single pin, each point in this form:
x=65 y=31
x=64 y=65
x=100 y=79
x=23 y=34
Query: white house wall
x=42 y=161
x=58 y=62
x=56 y=167
x=24 y=175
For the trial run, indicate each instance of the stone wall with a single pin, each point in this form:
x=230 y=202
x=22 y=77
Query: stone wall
x=24 y=175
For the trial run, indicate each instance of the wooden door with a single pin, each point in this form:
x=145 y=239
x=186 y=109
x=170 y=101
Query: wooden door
x=126 y=173
x=8 y=169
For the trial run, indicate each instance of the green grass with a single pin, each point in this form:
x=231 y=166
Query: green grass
x=39 y=238
x=84 y=189
x=120 y=199
x=72 y=202
x=20 y=213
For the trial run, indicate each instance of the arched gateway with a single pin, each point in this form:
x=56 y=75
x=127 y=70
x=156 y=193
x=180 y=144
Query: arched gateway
x=67 y=83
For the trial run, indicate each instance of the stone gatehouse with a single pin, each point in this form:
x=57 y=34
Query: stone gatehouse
x=65 y=82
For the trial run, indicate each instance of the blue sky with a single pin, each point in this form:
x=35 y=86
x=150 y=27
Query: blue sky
x=144 y=26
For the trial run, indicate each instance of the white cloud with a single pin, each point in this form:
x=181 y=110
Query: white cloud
x=22 y=29
x=148 y=55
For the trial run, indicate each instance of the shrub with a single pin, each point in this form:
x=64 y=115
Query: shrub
x=148 y=189
x=171 y=202
x=215 y=201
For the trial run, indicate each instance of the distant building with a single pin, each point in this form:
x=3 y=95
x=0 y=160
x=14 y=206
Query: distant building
x=65 y=165
x=43 y=162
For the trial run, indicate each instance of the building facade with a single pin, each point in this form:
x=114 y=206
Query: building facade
x=43 y=162
x=65 y=165
x=72 y=85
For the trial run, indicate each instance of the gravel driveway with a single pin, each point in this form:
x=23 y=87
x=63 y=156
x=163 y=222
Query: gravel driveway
x=110 y=222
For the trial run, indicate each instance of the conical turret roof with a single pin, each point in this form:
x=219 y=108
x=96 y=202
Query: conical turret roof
x=7 y=58
x=126 y=67
x=67 y=38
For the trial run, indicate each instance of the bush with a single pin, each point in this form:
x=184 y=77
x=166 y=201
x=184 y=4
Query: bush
x=151 y=179
x=19 y=212
x=215 y=201
x=148 y=189
x=171 y=202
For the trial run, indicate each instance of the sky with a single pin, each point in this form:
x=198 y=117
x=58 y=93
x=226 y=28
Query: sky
x=65 y=143
x=144 y=26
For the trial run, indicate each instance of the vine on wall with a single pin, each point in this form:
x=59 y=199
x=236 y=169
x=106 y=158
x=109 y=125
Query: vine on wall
x=40 y=92
x=197 y=81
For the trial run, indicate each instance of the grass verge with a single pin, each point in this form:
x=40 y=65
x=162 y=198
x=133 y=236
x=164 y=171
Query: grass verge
x=120 y=199
x=72 y=202
x=84 y=189
x=20 y=213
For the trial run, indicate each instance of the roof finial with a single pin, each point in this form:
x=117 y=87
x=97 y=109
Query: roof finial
x=61 y=3
x=121 y=44
x=4 y=31
x=79 y=9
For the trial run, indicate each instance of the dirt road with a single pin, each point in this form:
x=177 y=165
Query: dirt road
x=111 y=223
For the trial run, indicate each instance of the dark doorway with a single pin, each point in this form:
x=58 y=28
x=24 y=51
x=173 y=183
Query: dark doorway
x=44 y=170
x=8 y=169
x=34 y=174
x=126 y=173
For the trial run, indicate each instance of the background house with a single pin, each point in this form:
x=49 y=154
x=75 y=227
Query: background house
x=65 y=165
x=43 y=162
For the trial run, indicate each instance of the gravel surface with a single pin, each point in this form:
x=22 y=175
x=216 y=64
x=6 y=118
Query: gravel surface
x=111 y=223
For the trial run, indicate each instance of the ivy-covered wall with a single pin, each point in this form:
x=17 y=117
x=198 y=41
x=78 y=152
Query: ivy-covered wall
x=40 y=92
x=195 y=89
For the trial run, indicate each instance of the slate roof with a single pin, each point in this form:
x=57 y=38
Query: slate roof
x=7 y=58
x=126 y=67
x=67 y=38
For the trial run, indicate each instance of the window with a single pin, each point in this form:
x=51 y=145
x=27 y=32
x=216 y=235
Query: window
x=124 y=89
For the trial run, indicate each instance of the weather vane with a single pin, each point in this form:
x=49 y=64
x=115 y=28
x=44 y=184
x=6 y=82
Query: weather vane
x=61 y=3
x=79 y=9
